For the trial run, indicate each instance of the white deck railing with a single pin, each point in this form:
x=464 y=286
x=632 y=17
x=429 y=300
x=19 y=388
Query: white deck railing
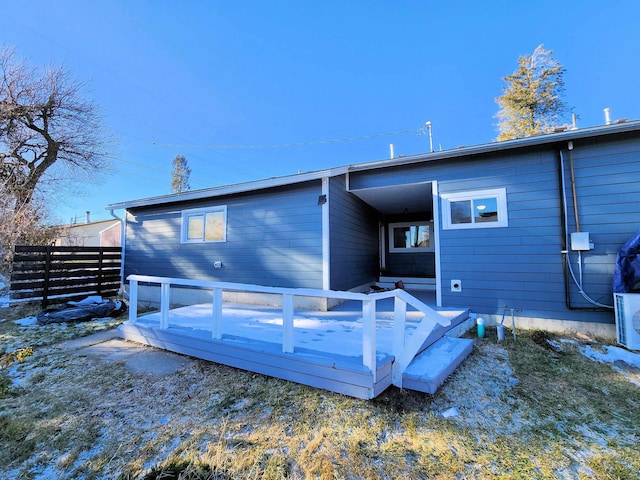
x=403 y=350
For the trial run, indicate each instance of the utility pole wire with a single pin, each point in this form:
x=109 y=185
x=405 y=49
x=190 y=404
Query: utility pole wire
x=284 y=145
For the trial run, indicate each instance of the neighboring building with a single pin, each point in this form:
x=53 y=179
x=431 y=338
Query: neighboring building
x=104 y=233
x=531 y=224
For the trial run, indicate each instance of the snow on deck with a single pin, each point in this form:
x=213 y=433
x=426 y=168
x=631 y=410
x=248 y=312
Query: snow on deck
x=334 y=332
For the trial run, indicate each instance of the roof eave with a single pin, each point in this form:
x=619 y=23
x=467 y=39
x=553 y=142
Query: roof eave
x=228 y=189
x=550 y=138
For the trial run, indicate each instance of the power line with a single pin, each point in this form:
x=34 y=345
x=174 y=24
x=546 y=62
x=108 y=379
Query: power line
x=195 y=160
x=204 y=162
x=125 y=81
x=285 y=145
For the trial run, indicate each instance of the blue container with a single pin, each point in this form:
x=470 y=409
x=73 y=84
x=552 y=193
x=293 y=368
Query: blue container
x=480 y=325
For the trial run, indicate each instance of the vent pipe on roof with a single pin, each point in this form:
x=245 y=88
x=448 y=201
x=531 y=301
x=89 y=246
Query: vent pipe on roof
x=392 y=153
x=88 y=217
x=607 y=116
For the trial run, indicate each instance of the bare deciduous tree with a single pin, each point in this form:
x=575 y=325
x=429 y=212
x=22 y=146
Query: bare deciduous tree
x=22 y=225
x=50 y=138
x=44 y=120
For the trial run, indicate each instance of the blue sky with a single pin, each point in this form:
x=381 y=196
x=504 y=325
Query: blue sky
x=188 y=77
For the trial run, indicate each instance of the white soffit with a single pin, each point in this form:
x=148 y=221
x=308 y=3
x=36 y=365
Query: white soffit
x=410 y=198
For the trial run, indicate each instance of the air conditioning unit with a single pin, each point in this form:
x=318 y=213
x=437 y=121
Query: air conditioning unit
x=627 y=307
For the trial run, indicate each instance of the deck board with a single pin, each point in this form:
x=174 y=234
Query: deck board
x=336 y=373
x=327 y=345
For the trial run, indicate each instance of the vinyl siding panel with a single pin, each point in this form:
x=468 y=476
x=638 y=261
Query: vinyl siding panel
x=274 y=237
x=411 y=265
x=353 y=227
x=506 y=271
x=522 y=265
x=608 y=185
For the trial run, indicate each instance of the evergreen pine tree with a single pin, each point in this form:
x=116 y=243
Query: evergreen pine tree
x=532 y=99
x=180 y=174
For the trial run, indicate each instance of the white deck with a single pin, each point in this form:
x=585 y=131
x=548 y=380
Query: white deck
x=338 y=331
x=327 y=346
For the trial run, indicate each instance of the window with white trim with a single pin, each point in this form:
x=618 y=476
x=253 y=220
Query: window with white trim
x=409 y=237
x=204 y=225
x=477 y=209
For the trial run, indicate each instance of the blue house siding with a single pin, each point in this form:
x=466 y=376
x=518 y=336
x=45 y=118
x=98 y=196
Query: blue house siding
x=353 y=227
x=522 y=265
x=274 y=237
x=606 y=176
x=420 y=265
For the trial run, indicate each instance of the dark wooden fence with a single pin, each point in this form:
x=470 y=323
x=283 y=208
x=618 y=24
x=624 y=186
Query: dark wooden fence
x=55 y=274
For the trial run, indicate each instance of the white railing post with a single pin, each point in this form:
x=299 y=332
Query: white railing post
x=399 y=325
x=287 y=323
x=133 y=300
x=216 y=327
x=164 y=304
x=369 y=336
x=399 y=338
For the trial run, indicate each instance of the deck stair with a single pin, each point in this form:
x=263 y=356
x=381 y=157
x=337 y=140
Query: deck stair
x=430 y=368
x=425 y=366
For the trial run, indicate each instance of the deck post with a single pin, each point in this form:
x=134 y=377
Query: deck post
x=399 y=325
x=287 y=323
x=216 y=328
x=369 y=336
x=164 y=305
x=133 y=300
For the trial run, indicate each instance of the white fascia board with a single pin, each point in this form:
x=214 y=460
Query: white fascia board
x=229 y=189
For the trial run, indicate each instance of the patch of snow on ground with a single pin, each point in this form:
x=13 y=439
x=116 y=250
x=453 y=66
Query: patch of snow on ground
x=4 y=291
x=611 y=355
x=451 y=412
x=481 y=394
x=623 y=361
x=26 y=321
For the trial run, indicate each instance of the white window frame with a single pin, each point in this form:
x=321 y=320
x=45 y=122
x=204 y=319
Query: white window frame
x=184 y=228
x=427 y=224
x=500 y=194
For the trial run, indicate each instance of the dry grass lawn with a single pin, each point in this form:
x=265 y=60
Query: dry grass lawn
x=512 y=410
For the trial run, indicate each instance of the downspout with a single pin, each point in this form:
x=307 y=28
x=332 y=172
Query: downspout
x=123 y=228
x=565 y=229
x=573 y=186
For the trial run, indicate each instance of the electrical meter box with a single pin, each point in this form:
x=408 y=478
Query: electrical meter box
x=580 y=241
